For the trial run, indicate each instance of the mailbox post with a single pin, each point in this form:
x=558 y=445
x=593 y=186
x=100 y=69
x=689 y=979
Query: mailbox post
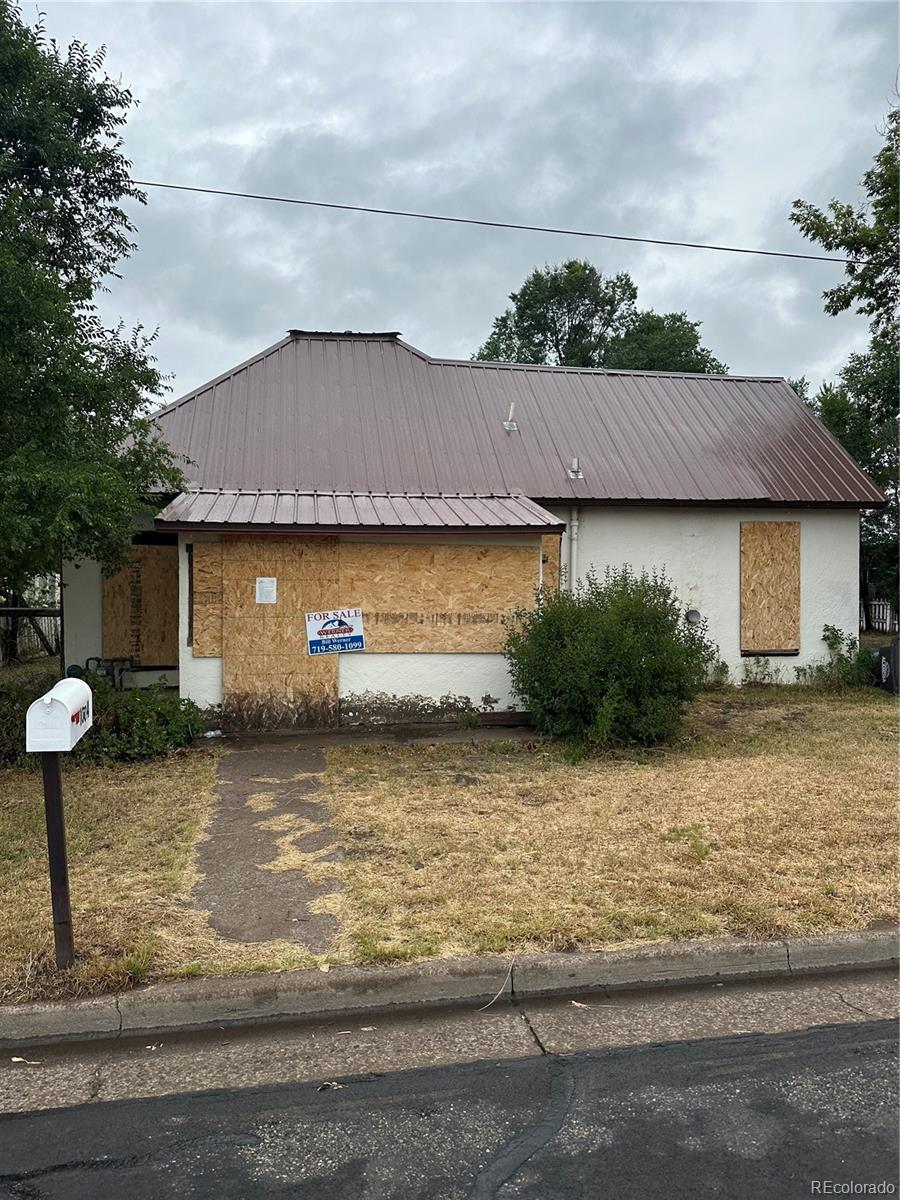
x=54 y=723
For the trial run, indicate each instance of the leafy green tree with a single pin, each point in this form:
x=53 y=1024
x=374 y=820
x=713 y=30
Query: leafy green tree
x=662 y=342
x=78 y=456
x=572 y=315
x=861 y=408
x=866 y=233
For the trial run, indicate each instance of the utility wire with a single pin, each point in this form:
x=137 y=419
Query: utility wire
x=398 y=212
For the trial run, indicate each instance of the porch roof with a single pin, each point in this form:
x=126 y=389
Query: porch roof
x=235 y=511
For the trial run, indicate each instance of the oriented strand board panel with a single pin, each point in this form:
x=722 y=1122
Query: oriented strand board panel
x=551 y=544
x=437 y=598
x=434 y=598
x=264 y=645
x=770 y=587
x=140 y=608
x=207 y=599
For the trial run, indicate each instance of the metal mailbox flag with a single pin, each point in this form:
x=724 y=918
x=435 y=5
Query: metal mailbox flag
x=335 y=632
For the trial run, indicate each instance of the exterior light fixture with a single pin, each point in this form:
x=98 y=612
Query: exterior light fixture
x=693 y=617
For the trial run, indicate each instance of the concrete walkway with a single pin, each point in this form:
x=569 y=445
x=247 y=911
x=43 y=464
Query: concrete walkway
x=271 y=824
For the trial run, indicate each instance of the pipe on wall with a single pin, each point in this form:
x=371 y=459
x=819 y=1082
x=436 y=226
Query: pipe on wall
x=572 y=540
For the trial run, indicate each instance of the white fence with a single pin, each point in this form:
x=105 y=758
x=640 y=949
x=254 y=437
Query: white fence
x=884 y=617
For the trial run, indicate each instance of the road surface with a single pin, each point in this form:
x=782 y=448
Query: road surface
x=742 y=1091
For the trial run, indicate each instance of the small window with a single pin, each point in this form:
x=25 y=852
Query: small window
x=770 y=587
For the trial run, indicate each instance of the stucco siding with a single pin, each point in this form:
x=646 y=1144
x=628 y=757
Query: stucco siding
x=699 y=548
x=200 y=679
x=82 y=592
x=431 y=675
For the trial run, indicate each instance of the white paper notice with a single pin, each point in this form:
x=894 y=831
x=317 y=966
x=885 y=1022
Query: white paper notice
x=266 y=589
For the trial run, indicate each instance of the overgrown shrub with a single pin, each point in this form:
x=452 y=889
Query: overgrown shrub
x=847 y=665
x=610 y=663
x=128 y=725
x=137 y=723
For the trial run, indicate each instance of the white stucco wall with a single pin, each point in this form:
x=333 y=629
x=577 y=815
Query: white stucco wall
x=699 y=548
x=431 y=675
x=199 y=679
x=82 y=598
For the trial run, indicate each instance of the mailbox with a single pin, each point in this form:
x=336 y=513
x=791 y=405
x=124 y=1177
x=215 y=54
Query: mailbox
x=59 y=718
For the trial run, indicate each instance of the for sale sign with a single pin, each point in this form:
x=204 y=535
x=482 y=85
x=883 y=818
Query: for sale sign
x=335 y=632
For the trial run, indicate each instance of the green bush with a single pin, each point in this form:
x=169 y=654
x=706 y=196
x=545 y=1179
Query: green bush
x=128 y=725
x=138 y=723
x=14 y=701
x=847 y=666
x=610 y=663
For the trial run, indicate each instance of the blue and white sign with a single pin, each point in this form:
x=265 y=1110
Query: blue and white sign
x=335 y=632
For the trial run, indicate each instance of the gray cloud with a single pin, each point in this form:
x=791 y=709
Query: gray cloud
x=691 y=121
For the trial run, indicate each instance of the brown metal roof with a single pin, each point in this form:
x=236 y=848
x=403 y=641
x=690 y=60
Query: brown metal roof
x=325 y=412
x=337 y=511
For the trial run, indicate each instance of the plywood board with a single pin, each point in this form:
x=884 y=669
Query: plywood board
x=436 y=599
x=770 y=587
x=140 y=608
x=551 y=544
x=264 y=645
x=416 y=597
x=207 y=599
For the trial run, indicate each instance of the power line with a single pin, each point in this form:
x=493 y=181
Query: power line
x=420 y=216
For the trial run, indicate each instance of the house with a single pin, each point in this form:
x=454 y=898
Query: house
x=349 y=470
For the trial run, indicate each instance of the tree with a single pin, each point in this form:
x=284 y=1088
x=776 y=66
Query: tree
x=78 y=456
x=861 y=411
x=662 y=342
x=861 y=408
x=572 y=315
x=868 y=234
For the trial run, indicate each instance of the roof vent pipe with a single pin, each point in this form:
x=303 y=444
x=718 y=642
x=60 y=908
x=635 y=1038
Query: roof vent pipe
x=510 y=423
x=575 y=471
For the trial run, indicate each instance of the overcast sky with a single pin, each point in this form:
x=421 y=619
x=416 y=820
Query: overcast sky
x=699 y=122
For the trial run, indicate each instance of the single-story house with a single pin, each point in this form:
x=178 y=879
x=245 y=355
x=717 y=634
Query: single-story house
x=342 y=471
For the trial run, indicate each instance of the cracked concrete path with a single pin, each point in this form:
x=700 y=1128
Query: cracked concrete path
x=270 y=829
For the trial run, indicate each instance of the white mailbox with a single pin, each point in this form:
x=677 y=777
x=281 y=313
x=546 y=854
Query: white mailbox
x=59 y=718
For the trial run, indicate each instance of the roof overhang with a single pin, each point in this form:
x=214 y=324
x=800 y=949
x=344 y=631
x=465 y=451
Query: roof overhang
x=268 y=512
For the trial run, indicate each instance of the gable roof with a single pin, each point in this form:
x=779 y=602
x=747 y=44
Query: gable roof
x=331 y=412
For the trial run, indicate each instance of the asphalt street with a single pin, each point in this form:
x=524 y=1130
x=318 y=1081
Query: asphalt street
x=758 y=1114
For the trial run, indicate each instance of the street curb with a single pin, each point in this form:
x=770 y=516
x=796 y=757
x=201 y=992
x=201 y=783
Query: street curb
x=226 y=1001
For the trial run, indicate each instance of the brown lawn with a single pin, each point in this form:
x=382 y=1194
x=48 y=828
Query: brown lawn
x=131 y=830
x=773 y=815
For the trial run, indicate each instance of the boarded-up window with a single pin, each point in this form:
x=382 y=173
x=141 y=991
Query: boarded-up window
x=140 y=608
x=770 y=587
x=206 y=599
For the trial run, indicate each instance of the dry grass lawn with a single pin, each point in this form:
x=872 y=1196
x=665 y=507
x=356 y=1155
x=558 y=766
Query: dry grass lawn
x=131 y=831
x=773 y=815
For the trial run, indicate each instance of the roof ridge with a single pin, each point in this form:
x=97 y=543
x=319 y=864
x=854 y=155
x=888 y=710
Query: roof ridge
x=210 y=383
x=553 y=367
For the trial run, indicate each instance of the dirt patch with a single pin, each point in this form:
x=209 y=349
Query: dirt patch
x=265 y=862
